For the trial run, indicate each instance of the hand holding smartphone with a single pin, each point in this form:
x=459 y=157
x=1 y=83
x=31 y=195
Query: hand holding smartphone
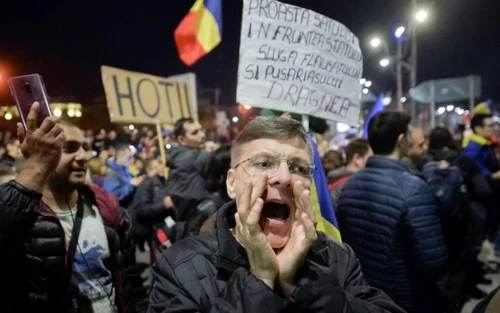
x=27 y=90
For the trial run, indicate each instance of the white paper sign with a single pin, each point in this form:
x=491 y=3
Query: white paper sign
x=296 y=60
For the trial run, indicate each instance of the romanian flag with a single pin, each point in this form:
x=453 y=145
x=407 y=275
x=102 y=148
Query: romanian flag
x=200 y=31
x=327 y=221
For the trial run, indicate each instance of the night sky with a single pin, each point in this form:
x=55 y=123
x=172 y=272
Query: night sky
x=67 y=42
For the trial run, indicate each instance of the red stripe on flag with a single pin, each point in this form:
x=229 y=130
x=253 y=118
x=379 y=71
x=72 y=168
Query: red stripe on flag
x=190 y=50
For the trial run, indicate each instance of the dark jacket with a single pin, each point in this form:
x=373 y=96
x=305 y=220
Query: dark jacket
x=148 y=201
x=337 y=179
x=32 y=262
x=210 y=273
x=389 y=217
x=188 y=172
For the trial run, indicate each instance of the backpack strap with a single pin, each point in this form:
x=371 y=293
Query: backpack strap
x=337 y=183
x=75 y=234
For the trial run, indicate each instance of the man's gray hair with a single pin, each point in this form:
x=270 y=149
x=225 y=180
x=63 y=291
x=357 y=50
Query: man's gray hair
x=270 y=127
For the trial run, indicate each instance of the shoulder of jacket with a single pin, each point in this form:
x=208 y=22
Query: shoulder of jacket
x=332 y=243
x=186 y=250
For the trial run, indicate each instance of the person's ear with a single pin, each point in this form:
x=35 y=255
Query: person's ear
x=181 y=140
x=402 y=142
x=231 y=184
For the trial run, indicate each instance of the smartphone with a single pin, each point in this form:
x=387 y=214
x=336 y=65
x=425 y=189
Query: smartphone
x=26 y=90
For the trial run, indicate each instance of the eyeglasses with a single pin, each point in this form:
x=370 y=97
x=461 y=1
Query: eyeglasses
x=269 y=166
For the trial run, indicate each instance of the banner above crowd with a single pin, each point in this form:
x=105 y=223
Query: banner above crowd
x=296 y=60
x=146 y=99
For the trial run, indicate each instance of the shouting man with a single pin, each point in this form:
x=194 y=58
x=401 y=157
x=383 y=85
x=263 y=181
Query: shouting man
x=265 y=254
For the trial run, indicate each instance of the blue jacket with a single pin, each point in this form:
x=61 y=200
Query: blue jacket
x=479 y=150
x=389 y=217
x=118 y=181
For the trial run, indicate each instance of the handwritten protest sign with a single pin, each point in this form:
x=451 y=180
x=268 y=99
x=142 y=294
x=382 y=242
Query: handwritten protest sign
x=296 y=60
x=146 y=99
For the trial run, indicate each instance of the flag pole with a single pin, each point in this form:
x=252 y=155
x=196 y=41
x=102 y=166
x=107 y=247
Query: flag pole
x=218 y=74
x=305 y=122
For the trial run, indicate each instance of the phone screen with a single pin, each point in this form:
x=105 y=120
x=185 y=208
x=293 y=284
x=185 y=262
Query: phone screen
x=26 y=90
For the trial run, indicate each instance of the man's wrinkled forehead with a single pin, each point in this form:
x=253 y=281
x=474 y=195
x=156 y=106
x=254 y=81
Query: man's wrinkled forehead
x=296 y=146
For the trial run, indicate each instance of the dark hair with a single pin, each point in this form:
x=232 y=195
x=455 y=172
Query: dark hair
x=335 y=157
x=179 y=129
x=478 y=121
x=358 y=146
x=440 y=138
x=122 y=148
x=219 y=165
x=384 y=130
x=270 y=127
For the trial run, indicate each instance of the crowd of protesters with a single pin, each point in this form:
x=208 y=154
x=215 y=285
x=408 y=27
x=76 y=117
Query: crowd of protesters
x=229 y=222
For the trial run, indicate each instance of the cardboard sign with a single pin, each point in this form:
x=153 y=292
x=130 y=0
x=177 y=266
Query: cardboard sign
x=296 y=60
x=146 y=99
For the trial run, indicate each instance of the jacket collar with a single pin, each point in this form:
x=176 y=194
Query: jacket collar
x=231 y=254
x=378 y=161
x=106 y=203
x=480 y=140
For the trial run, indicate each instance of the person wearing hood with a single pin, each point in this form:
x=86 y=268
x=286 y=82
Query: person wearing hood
x=459 y=231
x=357 y=153
x=119 y=181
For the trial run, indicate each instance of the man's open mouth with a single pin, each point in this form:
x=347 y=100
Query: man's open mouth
x=276 y=211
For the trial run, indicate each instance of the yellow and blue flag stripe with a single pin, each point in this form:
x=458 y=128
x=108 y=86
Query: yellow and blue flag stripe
x=200 y=31
x=327 y=221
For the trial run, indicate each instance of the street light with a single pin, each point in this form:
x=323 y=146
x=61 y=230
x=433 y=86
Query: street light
x=365 y=91
x=362 y=81
x=421 y=15
x=375 y=42
x=399 y=32
x=57 y=112
x=368 y=84
x=384 y=62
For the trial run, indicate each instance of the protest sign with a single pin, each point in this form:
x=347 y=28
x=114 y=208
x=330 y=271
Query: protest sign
x=146 y=99
x=296 y=60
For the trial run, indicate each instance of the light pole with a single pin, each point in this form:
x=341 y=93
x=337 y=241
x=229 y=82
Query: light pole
x=420 y=17
x=399 y=67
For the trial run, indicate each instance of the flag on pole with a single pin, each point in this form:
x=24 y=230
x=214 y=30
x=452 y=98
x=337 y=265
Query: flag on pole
x=327 y=221
x=377 y=108
x=483 y=107
x=200 y=31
